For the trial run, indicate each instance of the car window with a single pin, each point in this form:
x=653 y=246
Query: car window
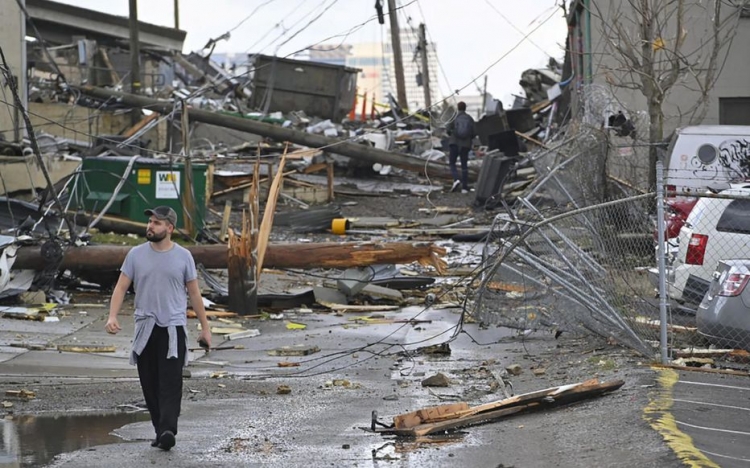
x=736 y=217
x=696 y=213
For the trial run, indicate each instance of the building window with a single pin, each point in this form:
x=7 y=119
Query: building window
x=734 y=111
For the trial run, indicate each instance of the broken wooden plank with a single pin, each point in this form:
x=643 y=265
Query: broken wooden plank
x=79 y=348
x=225 y=218
x=23 y=313
x=447 y=417
x=296 y=350
x=243 y=334
x=357 y=308
x=288 y=364
x=656 y=325
x=434 y=413
x=212 y=313
x=737 y=354
x=702 y=370
x=23 y=393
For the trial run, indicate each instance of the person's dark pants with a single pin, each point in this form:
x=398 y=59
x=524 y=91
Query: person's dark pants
x=161 y=379
x=463 y=153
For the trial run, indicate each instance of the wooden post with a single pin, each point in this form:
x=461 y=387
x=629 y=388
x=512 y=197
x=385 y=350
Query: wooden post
x=225 y=220
x=210 y=181
x=186 y=194
x=243 y=287
x=269 y=178
x=331 y=193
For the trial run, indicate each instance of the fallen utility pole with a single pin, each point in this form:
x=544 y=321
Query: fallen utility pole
x=302 y=256
x=278 y=133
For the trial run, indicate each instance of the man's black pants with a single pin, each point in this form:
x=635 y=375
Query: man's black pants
x=161 y=379
x=453 y=155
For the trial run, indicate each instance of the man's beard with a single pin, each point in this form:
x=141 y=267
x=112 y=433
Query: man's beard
x=151 y=236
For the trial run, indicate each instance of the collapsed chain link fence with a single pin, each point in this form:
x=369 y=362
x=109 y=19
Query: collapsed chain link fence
x=576 y=253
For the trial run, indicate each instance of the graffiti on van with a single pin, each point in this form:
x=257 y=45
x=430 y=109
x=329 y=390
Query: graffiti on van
x=734 y=157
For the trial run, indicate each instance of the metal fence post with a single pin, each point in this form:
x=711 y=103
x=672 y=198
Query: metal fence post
x=661 y=253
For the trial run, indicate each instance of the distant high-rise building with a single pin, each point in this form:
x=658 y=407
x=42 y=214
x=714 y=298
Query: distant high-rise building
x=377 y=77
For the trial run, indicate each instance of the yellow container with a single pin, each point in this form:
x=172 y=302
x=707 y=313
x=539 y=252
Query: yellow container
x=339 y=226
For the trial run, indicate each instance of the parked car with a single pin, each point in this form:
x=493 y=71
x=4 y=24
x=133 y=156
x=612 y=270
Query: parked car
x=677 y=210
x=715 y=229
x=723 y=316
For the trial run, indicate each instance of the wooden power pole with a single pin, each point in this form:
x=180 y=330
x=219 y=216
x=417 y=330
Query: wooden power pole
x=135 y=52
x=425 y=67
x=398 y=58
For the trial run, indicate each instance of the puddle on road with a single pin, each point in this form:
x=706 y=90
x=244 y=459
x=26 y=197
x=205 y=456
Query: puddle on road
x=27 y=441
x=400 y=447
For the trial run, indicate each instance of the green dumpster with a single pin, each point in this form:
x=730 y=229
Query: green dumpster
x=150 y=182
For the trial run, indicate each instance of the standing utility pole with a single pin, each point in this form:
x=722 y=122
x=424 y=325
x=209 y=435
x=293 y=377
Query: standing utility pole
x=484 y=98
x=398 y=59
x=425 y=67
x=135 y=52
x=177 y=14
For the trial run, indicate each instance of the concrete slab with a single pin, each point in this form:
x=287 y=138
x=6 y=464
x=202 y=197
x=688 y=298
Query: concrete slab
x=54 y=363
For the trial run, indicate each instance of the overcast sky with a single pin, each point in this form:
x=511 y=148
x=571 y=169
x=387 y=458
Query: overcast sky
x=470 y=35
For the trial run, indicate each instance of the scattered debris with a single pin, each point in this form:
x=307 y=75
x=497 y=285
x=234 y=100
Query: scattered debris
x=23 y=394
x=295 y=326
x=288 y=364
x=79 y=348
x=437 y=380
x=283 y=390
x=296 y=350
x=242 y=334
x=443 y=349
x=514 y=369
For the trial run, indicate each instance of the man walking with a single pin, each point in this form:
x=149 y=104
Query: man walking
x=462 y=131
x=160 y=270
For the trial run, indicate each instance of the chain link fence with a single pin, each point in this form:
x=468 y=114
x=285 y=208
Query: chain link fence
x=578 y=253
x=709 y=268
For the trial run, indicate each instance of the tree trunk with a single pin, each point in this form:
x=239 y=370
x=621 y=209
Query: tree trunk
x=655 y=136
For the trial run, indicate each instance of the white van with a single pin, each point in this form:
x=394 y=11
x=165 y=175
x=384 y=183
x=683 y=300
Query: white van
x=708 y=156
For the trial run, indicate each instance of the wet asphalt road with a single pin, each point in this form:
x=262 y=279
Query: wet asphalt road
x=318 y=424
x=715 y=412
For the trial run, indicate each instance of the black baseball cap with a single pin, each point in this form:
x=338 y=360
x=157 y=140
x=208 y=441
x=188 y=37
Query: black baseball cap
x=163 y=213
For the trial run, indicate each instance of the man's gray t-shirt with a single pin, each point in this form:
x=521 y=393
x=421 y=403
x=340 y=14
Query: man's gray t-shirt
x=159 y=280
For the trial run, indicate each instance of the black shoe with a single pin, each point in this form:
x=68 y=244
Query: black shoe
x=155 y=442
x=166 y=440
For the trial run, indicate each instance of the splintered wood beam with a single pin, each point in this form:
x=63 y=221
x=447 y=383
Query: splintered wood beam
x=447 y=417
x=242 y=285
x=302 y=256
